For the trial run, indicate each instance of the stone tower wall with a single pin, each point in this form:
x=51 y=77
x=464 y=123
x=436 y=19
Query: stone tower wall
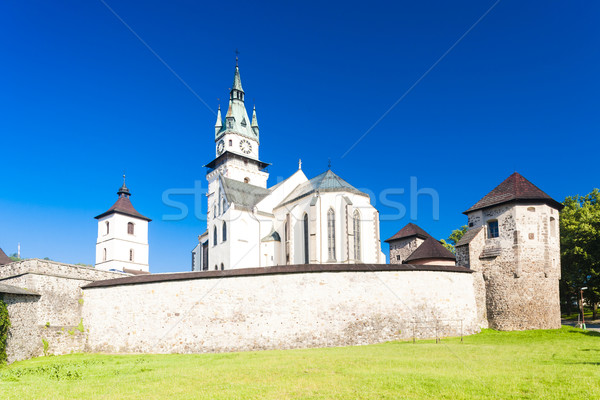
x=403 y=248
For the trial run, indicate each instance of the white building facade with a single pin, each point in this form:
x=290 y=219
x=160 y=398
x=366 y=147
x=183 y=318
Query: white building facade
x=324 y=220
x=122 y=242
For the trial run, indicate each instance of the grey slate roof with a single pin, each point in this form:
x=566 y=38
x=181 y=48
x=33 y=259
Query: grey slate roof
x=431 y=249
x=325 y=182
x=468 y=236
x=243 y=194
x=272 y=236
x=4 y=259
x=15 y=290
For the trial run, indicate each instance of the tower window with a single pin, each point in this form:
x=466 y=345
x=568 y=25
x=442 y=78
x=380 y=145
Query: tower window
x=493 y=229
x=130 y=228
x=131 y=255
x=222 y=267
x=104 y=255
x=216 y=267
x=331 y=234
x=215 y=236
x=224 y=231
x=230 y=142
x=107 y=227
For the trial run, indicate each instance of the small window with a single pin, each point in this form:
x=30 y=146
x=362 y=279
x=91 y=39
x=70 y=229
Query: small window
x=216 y=267
x=230 y=142
x=398 y=258
x=222 y=267
x=104 y=255
x=130 y=228
x=224 y=232
x=107 y=227
x=246 y=180
x=493 y=229
x=131 y=255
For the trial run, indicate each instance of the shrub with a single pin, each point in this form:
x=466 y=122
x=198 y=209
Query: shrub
x=4 y=325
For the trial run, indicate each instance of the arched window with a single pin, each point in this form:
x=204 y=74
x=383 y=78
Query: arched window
x=216 y=267
x=356 y=231
x=331 y=234
x=215 y=211
x=104 y=255
x=224 y=204
x=305 y=226
x=222 y=267
x=224 y=231
x=130 y=228
x=215 y=236
x=131 y=255
x=107 y=227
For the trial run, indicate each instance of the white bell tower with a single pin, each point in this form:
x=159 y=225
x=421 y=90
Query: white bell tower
x=122 y=236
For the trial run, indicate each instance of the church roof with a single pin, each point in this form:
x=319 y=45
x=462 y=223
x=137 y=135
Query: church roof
x=325 y=182
x=429 y=249
x=408 y=231
x=4 y=259
x=243 y=194
x=515 y=188
x=123 y=206
x=468 y=236
x=272 y=236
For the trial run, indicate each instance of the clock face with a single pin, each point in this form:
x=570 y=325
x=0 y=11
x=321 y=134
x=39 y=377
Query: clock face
x=245 y=146
x=220 y=147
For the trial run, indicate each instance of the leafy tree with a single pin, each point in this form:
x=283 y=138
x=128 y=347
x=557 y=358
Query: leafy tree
x=454 y=238
x=580 y=250
x=14 y=257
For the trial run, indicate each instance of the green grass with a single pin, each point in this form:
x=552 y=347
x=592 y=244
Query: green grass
x=553 y=364
x=587 y=313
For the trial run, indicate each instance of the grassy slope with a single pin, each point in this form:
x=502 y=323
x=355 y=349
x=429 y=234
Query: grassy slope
x=552 y=364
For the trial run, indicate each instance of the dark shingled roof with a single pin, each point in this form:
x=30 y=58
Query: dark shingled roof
x=514 y=189
x=468 y=236
x=123 y=206
x=280 y=269
x=429 y=249
x=4 y=259
x=408 y=231
x=325 y=182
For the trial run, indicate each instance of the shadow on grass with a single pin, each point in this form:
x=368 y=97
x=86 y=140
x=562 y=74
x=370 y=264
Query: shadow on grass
x=588 y=333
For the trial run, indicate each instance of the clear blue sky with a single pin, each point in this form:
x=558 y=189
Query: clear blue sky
x=82 y=99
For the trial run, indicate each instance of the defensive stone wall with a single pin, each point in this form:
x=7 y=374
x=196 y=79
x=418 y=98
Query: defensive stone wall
x=54 y=316
x=278 y=308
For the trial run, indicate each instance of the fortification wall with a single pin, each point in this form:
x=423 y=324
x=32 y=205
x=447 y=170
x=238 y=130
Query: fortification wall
x=55 y=316
x=214 y=312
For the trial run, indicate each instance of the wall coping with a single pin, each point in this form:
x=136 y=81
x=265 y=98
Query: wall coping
x=276 y=270
x=36 y=266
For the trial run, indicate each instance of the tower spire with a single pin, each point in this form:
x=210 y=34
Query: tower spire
x=237 y=93
x=123 y=190
x=219 y=123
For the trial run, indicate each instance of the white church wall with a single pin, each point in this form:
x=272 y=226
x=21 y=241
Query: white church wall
x=282 y=191
x=113 y=247
x=311 y=310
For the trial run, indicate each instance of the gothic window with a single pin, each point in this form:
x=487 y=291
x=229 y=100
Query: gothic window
x=107 y=227
x=493 y=229
x=131 y=255
x=286 y=233
x=224 y=231
x=305 y=226
x=356 y=231
x=331 y=234
x=130 y=228
x=215 y=211
x=215 y=236
x=224 y=204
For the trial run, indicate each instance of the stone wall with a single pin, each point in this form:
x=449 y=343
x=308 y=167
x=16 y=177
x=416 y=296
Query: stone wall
x=403 y=248
x=54 y=316
x=278 y=311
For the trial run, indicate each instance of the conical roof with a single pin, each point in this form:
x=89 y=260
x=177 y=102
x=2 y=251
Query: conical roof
x=431 y=249
x=237 y=81
x=123 y=205
x=409 y=230
x=4 y=259
x=515 y=188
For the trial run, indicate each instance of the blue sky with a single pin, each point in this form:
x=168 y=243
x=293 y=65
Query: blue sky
x=83 y=99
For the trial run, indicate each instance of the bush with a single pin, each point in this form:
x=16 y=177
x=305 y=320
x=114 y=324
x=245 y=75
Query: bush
x=4 y=325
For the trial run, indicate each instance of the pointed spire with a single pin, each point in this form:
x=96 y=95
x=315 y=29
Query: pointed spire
x=254 y=120
x=123 y=190
x=219 y=123
x=237 y=81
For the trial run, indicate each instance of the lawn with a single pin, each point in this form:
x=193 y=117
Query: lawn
x=552 y=364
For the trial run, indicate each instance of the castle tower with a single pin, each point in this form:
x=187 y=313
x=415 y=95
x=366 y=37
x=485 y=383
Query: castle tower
x=122 y=236
x=513 y=241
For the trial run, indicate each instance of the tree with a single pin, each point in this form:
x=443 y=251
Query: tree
x=15 y=257
x=580 y=250
x=454 y=238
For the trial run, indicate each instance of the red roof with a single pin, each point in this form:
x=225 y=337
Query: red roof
x=408 y=231
x=123 y=206
x=514 y=189
x=431 y=249
x=4 y=259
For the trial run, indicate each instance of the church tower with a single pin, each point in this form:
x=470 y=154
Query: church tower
x=122 y=236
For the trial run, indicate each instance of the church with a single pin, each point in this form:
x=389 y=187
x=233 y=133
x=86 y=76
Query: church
x=323 y=220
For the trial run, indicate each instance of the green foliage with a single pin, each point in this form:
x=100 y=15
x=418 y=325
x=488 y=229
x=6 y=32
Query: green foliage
x=14 y=257
x=80 y=301
x=4 y=325
x=46 y=346
x=454 y=238
x=580 y=249
x=80 y=326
